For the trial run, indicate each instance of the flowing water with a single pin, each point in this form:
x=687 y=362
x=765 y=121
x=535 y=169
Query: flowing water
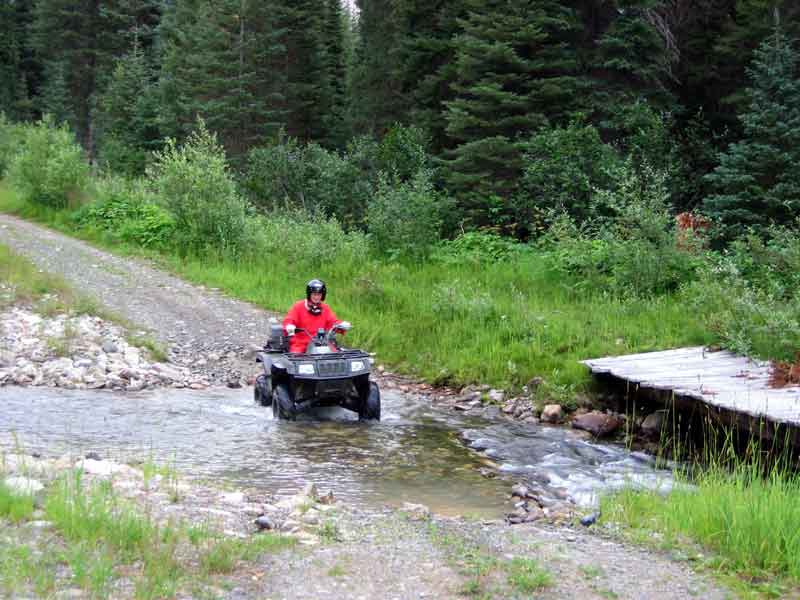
x=417 y=453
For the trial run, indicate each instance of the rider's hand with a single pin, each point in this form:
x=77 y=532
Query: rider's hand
x=290 y=329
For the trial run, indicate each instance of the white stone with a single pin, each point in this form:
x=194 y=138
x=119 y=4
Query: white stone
x=24 y=485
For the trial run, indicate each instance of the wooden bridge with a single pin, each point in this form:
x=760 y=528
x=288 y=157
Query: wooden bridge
x=734 y=388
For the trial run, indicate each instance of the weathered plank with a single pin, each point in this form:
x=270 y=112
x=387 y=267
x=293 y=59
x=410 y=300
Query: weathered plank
x=720 y=378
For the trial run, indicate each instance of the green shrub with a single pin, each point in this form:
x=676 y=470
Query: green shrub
x=308 y=238
x=309 y=177
x=49 y=168
x=405 y=219
x=11 y=136
x=630 y=252
x=479 y=247
x=127 y=210
x=563 y=169
x=403 y=152
x=759 y=316
x=194 y=183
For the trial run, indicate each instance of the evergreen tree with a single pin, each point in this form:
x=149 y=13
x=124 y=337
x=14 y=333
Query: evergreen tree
x=17 y=71
x=80 y=40
x=515 y=74
x=335 y=77
x=425 y=62
x=306 y=81
x=626 y=60
x=55 y=99
x=758 y=180
x=375 y=102
x=224 y=62
x=128 y=114
x=10 y=58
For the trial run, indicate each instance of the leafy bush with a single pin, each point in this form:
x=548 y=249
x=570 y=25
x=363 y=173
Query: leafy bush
x=49 y=168
x=632 y=251
x=308 y=238
x=405 y=219
x=11 y=136
x=751 y=291
x=563 y=168
x=194 y=183
x=291 y=175
x=403 y=152
x=127 y=211
x=479 y=247
x=748 y=320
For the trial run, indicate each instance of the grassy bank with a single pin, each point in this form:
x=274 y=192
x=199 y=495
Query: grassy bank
x=99 y=541
x=500 y=323
x=744 y=523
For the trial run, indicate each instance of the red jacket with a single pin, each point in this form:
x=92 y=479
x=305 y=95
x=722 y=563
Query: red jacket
x=299 y=316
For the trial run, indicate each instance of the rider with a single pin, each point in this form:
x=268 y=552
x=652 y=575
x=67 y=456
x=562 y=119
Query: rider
x=310 y=314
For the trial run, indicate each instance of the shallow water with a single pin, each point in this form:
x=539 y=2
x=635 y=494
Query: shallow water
x=417 y=453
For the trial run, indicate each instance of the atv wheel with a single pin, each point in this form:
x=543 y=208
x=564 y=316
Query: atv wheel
x=262 y=390
x=371 y=405
x=282 y=403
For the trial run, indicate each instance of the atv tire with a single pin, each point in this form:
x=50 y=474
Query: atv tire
x=371 y=405
x=262 y=392
x=282 y=403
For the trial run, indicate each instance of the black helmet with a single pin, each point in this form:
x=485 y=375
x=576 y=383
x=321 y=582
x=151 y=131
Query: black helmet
x=315 y=286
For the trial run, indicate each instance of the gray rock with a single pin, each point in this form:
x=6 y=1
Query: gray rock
x=416 y=512
x=265 y=523
x=24 y=485
x=110 y=347
x=597 y=423
x=520 y=491
x=653 y=423
x=496 y=395
x=552 y=413
x=590 y=519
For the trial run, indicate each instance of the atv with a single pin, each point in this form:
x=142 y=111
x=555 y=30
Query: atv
x=324 y=375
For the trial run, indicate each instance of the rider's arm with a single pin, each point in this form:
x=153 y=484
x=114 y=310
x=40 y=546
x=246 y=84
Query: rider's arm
x=293 y=316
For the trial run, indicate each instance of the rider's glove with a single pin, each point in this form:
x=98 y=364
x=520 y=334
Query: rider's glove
x=290 y=329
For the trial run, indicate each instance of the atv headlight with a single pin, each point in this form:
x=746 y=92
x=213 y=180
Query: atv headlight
x=305 y=369
x=356 y=365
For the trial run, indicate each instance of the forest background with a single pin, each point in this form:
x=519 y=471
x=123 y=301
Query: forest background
x=490 y=187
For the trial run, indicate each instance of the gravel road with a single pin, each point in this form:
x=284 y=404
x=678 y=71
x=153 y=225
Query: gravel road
x=189 y=320
x=384 y=556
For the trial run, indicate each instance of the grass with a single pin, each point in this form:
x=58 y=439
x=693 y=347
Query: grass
x=13 y=506
x=498 y=323
x=743 y=519
x=527 y=575
x=98 y=537
x=487 y=575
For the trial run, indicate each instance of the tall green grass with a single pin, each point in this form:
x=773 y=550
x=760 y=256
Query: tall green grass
x=746 y=516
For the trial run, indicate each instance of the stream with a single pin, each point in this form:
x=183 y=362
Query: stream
x=455 y=463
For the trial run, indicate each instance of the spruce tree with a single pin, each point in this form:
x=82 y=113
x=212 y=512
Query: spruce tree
x=80 y=41
x=127 y=114
x=425 y=62
x=758 y=180
x=515 y=73
x=334 y=73
x=375 y=102
x=224 y=62
x=628 y=61
x=306 y=81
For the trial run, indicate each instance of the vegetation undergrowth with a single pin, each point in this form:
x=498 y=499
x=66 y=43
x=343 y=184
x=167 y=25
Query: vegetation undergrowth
x=102 y=537
x=620 y=276
x=488 y=575
x=500 y=323
x=738 y=508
